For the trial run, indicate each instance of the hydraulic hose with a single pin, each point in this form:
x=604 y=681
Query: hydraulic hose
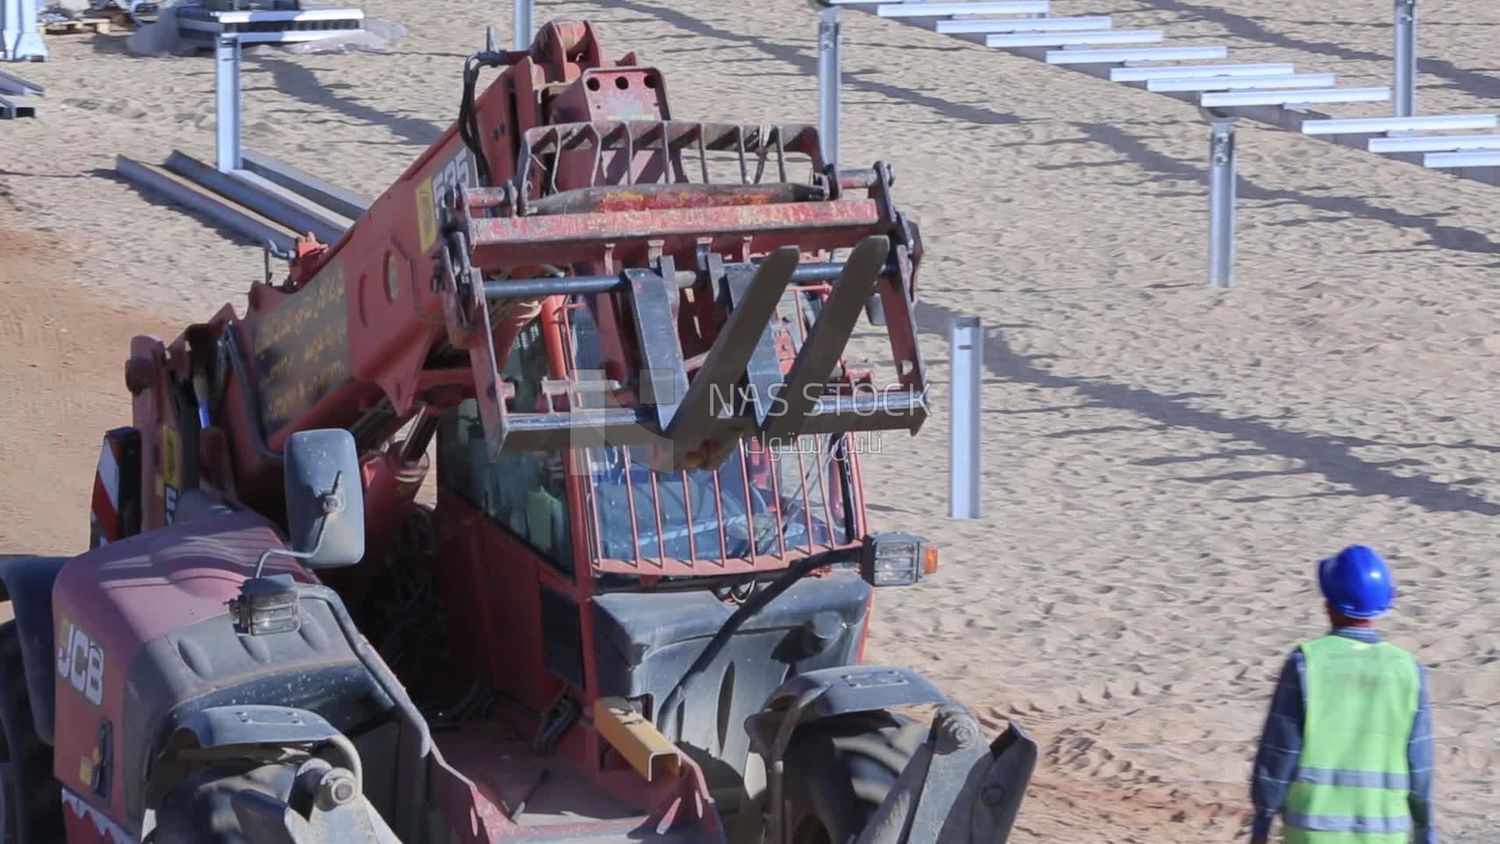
x=387 y=682
x=667 y=712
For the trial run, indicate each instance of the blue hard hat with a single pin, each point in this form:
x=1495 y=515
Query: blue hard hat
x=1357 y=582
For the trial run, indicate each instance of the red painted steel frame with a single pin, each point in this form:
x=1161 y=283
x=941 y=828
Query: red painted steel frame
x=366 y=333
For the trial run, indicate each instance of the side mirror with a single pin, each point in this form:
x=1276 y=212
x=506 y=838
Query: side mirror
x=324 y=498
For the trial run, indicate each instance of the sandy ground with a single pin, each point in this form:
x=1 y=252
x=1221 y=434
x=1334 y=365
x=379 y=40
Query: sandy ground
x=1163 y=462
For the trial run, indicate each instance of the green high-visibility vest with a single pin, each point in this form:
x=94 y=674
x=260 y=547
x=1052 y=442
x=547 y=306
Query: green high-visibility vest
x=1352 y=777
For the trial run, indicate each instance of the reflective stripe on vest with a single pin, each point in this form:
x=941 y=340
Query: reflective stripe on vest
x=1337 y=823
x=1352 y=778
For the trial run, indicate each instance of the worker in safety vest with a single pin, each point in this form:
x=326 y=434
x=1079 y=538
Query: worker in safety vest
x=1346 y=756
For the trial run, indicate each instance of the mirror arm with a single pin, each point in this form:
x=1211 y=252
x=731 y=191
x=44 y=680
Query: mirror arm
x=333 y=503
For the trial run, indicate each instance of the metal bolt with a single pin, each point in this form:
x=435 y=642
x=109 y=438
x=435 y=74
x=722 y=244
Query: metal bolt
x=336 y=788
x=954 y=729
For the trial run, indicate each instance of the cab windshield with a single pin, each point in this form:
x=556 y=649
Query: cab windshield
x=778 y=499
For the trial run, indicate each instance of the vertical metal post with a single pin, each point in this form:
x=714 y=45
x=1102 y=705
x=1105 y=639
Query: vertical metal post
x=828 y=84
x=1221 y=196
x=1406 y=58
x=966 y=356
x=524 y=31
x=227 y=101
x=19 y=38
x=10 y=26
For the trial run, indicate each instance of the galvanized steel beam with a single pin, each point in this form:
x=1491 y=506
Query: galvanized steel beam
x=1071 y=39
x=966 y=363
x=1221 y=200
x=336 y=199
x=247 y=224
x=524 y=28
x=991 y=25
x=278 y=208
x=829 y=76
x=1406 y=58
x=1197 y=71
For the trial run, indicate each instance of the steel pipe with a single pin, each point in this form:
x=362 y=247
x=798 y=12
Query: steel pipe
x=524 y=28
x=1221 y=196
x=1406 y=58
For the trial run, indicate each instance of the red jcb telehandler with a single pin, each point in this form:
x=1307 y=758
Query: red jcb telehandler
x=636 y=610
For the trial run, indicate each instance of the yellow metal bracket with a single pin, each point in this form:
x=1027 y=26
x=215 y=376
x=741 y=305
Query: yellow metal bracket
x=636 y=739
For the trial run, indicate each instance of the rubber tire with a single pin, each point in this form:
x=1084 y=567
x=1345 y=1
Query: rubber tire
x=839 y=770
x=30 y=797
x=199 y=810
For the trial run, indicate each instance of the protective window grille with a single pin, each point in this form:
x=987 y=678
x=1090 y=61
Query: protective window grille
x=664 y=152
x=765 y=505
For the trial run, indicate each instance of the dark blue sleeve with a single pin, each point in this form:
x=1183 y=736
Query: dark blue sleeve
x=1419 y=759
x=1280 y=747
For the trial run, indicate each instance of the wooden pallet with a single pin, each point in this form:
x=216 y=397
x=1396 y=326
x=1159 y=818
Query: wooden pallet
x=100 y=26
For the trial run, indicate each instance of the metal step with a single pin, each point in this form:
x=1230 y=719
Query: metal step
x=1230 y=99
x=984 y=27
x=1197 y=71
x=1241 y=83
x=943 y=10
x=1380 y=125
x=1067 y=39
x=1434 y=143
x=1137 y=54
x=1450 y=160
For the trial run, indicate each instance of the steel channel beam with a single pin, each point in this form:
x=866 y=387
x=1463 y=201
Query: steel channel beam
x=966 y=356
x=291 y=199
x=1136 y=54
x=11 y=109
x=943 y=10
x=175 y=188
x=294 y=217
x=1472 y=158
x=1231 y=99
x=985 y=27
x=12 y=84
x=335 y=198
x=1381 y=125
x=1238 y=83
x=1068 y=39
x=1431 y=143
x=1197 y=71
x=285 y=17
